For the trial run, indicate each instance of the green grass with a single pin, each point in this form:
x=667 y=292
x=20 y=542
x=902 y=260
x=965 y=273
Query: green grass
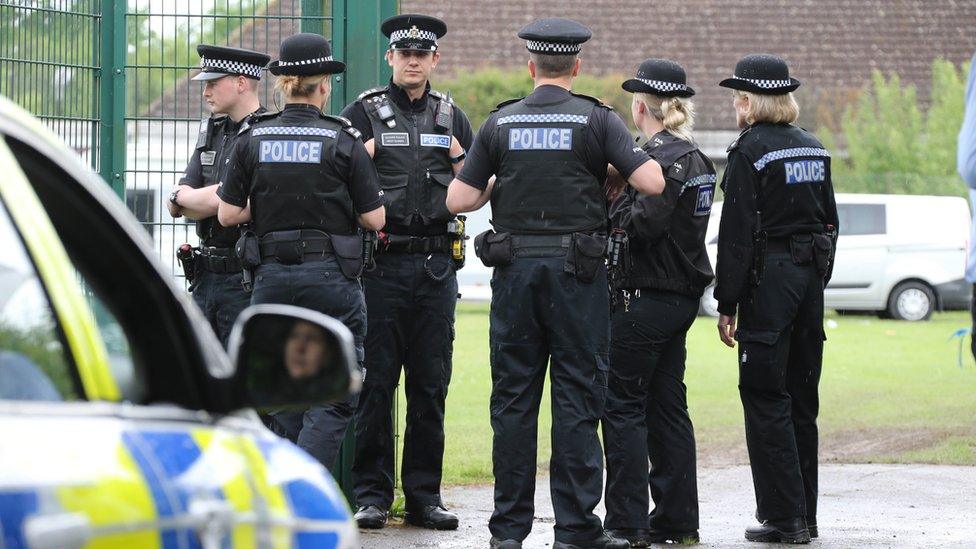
x=890 y=392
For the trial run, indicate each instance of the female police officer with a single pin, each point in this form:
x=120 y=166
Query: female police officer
x=304 y=180
x=657 y=286
x=775 y=247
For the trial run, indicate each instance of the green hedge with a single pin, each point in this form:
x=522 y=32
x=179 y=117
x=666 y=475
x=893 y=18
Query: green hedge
x=478 y=92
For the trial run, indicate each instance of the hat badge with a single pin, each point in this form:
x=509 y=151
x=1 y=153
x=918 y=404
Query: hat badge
x=414 y=32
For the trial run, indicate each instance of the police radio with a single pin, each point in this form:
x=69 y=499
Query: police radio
x=444 y=115
x=384 y=112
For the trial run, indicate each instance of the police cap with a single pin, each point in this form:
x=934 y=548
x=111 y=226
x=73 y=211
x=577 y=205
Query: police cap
x=660 y=77
x=761 y=73
x=413 y=31
x=305 y=54
x=220 y=61
x=555 y=36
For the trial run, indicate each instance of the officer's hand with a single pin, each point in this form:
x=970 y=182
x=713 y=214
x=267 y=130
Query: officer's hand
x=174 y=210
x=726 y=329
x=615 y=184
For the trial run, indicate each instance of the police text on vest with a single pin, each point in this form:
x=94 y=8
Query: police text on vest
x=304 y=152
x=804 y=171
x=540 y=139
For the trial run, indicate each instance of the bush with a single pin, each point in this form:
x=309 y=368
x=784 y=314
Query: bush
x=892 y=146
x=478 y=92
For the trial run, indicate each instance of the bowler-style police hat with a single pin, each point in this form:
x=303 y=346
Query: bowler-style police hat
x=555 y=36
x=305 y=54
x=660 y=77
x=761 y=73
x=413 y=31
x=220 y=61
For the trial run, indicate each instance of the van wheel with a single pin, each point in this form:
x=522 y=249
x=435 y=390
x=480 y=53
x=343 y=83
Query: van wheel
x=912 y=301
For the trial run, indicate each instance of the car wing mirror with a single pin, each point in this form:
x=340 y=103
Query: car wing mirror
x=289 y=357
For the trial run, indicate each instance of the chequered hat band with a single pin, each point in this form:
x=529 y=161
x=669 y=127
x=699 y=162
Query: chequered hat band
x=415 y=34
x=663 y=86
x=304 y=62
x=536 y=46
x=230 y=67
x=765 y=84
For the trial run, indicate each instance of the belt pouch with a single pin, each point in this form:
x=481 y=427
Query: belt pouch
x=801 y=249
x=586 y=256
x=494 y=249
x=823 y=251
x=348 y=250
x=248 y=249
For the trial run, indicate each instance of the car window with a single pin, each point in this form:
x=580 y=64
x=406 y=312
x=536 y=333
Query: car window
x=128 y=377
x=861 y=219
x=33 y=362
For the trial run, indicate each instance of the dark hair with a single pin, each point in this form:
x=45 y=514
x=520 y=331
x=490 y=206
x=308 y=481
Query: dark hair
x=553 y=66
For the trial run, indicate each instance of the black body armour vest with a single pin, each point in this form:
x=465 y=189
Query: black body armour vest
x=413 y=162
x=543 y=185
x=216 y=140
x=295 y=184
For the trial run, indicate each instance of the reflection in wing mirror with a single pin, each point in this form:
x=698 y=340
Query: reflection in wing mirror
x=291 y=357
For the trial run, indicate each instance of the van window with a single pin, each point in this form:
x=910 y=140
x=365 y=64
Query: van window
x=861 y=219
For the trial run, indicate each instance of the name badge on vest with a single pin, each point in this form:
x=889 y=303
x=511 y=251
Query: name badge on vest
x=435 y=140
x=207 y=157
x=395 y=139
x=804 y=171
x=301 y=152
x=703 y=203
x=540 y=139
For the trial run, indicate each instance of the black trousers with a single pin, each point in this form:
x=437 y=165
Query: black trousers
x=540 y=315
x=411 y=326
x=781 y=339
x=221 y=298
x=647 y=415
x=320 y=286
x=972 y=337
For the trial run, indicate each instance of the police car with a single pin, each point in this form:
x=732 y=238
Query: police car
x=123 y=423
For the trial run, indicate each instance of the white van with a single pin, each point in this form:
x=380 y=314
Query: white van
x=901 y=256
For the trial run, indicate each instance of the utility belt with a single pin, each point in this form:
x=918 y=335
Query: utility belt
x=804 y=249
x=585 y=252
x=218 y=260
x=294 y=247
x=450 y=243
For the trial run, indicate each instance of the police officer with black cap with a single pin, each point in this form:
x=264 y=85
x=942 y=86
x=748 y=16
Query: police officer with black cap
x=417 y=137
x=230 y=77
x=306 y=183
x=550 y=305
x=775 y=252
x=659 y=270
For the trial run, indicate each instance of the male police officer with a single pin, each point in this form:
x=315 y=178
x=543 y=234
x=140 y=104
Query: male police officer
x=231 y=78
x=549 y=153
x=417 y=139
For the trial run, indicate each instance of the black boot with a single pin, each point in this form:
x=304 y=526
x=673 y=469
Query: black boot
x=496 y=543
x=666 y=536
x=636 y=537
x=812 y=527
x=780 y=531
x=435 y=517
x=371 y=517
x=604 y=541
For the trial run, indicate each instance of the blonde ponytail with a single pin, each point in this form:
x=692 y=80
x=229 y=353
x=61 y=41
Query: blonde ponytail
x=676 y=113
x=298 y=86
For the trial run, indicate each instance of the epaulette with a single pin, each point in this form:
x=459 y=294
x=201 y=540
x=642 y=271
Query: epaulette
x=506 y=103
x=440 y=95
x=593 y=99
x=345 y=123
x=255 y=118
x=735 y=143
x=371 y=91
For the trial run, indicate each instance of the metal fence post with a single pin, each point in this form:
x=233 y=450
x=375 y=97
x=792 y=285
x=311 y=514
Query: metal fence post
x=111 y=114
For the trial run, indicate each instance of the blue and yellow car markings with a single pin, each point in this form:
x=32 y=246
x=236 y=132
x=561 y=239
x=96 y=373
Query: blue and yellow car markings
x=15 y=507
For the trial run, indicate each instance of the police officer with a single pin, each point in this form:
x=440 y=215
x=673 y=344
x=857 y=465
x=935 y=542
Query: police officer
x=230 y=77
x=305 y=181
x=417 y=138
x=549 y=153
x=775 y=245
x=658 y=281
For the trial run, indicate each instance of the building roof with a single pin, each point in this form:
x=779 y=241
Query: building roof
x=832 y=45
